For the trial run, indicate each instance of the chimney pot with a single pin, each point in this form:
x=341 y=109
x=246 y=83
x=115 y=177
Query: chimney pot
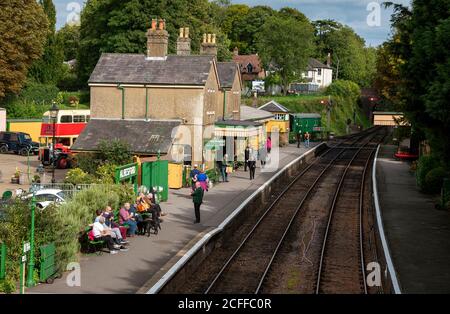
x=161 y=24
x=204 y=38
x=181 y=33
x=154 y=24
x=186 y=32
x=236 y=51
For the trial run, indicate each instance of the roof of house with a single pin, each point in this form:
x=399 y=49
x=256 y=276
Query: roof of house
x=308 y=115
x=244 y=60
x=227 y=73
x=273 y=106
x=254 y=114
x=238 y=123
x=138 y=69
x=144 y=137
x=316 y=64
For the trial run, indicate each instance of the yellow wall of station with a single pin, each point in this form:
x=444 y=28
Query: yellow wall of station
x=283 y=126
x=31 y=127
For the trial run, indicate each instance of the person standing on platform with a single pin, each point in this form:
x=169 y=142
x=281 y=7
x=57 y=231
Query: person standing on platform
x=193 y=175
x=252 y=166
x=247 y=153
x=299 y=138
x=263 y=156
x=197 y=198
x=307 y=138
x=269 y=144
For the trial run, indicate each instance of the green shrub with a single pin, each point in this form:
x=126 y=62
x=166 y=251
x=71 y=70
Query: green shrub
x=78 y=176
x=425 y=165
x=434 y=179
x=7 y=285
x=345 y=89
x=106 y=173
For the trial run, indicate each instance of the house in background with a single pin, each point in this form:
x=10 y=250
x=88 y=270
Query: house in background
x=251 y=69
x=317 y=76
x=280 y=121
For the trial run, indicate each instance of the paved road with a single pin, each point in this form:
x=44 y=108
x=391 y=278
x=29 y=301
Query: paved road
x=8 y=164
x=126 y=272
x=417 y=233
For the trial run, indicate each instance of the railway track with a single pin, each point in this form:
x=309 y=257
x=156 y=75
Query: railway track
x=246 y=269
x=342 y=263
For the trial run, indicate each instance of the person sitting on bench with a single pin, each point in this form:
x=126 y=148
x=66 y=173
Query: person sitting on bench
x=125 y=217
x=116 y=235
x=103 y=234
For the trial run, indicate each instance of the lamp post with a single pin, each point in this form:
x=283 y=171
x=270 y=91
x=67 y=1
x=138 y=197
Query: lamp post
x=30 y=273
x=54 y=115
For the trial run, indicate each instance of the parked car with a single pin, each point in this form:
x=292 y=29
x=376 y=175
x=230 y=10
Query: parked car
x=45 y=197
x=18 y=142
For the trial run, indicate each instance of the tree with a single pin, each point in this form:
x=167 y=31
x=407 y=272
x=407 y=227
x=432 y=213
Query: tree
x=120 y=26
x=68 y=38
x=23 y=28
x=48 y=68
x=419 y=48
x=351 y=60
x=285 y=45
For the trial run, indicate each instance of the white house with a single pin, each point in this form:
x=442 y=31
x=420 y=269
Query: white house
x=318 y=73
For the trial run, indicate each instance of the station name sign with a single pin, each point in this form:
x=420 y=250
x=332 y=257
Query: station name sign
x=126 y=172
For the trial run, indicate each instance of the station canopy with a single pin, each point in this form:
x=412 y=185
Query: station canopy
x=237 y=128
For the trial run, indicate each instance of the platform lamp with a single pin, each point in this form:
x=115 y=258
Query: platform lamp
x=54 y=115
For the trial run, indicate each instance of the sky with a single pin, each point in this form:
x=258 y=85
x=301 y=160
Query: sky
x=367 y=17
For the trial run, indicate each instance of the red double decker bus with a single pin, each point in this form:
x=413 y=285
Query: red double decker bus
x=68 y=126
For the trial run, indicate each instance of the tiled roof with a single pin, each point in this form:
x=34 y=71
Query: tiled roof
x=227 y=73
x=273 y=106
x=316 y=64
x=137 y=69
x=144 y=137
x=254 y=114
x=244 y=60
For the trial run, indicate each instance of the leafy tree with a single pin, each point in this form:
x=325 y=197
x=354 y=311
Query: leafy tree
x=23 y=26
x=68 y=38
x=48 y=68
x=285 y=45
x=351 y=60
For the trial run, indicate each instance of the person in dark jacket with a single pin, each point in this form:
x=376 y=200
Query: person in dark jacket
x=197 y=198
x=252 y=166
x=247 y=153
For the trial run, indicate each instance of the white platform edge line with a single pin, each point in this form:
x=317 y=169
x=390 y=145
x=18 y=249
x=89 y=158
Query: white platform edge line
x=387 y=253
x=192 y=251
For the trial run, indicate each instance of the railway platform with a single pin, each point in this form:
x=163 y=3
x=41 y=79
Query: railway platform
x=127 y=272
x=417 y=233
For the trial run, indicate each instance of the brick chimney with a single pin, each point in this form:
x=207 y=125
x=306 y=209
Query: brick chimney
x=157 y=40
x=209 y=45
x=329 y=59
x=184 y=42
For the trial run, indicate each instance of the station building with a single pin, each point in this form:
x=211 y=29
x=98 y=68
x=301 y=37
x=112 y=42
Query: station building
x=164 y=104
